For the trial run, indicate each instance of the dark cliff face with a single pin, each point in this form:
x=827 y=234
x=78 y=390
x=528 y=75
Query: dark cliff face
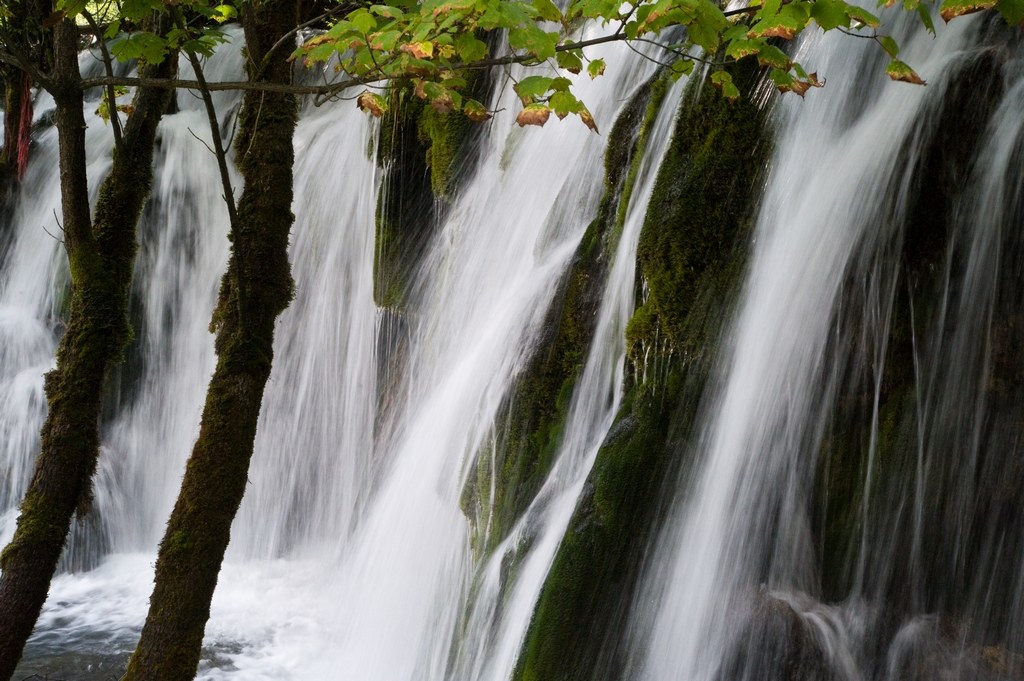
x=945 y=489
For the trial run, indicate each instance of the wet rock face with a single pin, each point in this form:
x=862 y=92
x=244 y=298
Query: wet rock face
x=929 y=648
x=773 y=642
x=943 y=364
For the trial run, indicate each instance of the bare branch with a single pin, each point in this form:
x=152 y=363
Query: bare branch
x=742 y=10
x=218 y=143
x=108 y=65
x=679 y=53
x=301 y=27
x=329 y=89
x=9 y=55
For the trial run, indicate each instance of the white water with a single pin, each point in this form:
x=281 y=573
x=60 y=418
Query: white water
x=350 y=557
x=741 y=534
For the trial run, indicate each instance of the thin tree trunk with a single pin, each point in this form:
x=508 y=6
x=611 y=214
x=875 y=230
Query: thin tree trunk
x=101 y=258
x=255 y=290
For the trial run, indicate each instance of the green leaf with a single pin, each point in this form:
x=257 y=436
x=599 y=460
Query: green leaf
x=889 y=45
x=136 y=10
x=560 y=84
x=570 y=61
x=783 y=80
x=565 y=103
x=387 y=11
x=681 y=67
x=225 y=13
x=769 y=55
x=475 y=111
x=709 y=14
x=470 y=48
x=863 y=16
x=830 y=14
x=738 y=49
x=363 y=21
x=534 y=40
x=722 y=81
x=770 y=8
x=72 y=7
x=924 y=12
x=143 y=45
x=113 y=28
x=594 y=9
x=385 y=40
x=705 y=36
x=547 y=10
x=897 y=70
x=719 y=78
x=532 y=88
x=737 y=32
x=595 y=68
x=790 y=20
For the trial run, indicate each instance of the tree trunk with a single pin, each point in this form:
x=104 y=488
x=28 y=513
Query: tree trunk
x=101 y=258
x=255 y=290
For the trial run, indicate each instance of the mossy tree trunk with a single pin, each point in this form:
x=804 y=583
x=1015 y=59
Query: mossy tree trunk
x=101 y=255
x=255 y=290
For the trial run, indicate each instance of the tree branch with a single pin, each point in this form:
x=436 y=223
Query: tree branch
x=9 y=56
x=218 y=142
x=108 y=65
x=295 y=31
x=328 y=89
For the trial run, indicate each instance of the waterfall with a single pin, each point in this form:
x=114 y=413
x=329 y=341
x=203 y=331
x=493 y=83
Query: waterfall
x=846 y=508
x=351 y=555
x=741 y=580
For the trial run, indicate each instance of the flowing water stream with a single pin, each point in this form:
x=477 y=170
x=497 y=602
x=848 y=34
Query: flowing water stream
x=848 y=205
x=351 y=557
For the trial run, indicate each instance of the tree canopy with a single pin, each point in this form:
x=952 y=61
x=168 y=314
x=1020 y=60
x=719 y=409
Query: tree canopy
x=433 y=43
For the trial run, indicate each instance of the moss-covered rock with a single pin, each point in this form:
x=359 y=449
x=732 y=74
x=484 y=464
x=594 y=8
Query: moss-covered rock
x=533 y=416
x=425 y=156
x=406 y=213
x=691 y=254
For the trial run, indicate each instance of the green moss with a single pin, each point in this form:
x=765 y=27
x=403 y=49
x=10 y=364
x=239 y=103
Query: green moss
x=704 y=193
x=691 y=258
x=444 y=136
x=406 y=213
x=533 y=417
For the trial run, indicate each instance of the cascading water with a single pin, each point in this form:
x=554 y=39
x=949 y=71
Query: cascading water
x=802 y=546
x=351 y=555
x=869 y=372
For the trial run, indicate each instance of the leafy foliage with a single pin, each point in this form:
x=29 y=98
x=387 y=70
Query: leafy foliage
x=432 y=41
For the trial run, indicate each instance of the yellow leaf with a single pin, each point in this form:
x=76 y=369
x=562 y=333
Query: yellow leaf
x=535 y=114
x=588 y=120
x=368 y=101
